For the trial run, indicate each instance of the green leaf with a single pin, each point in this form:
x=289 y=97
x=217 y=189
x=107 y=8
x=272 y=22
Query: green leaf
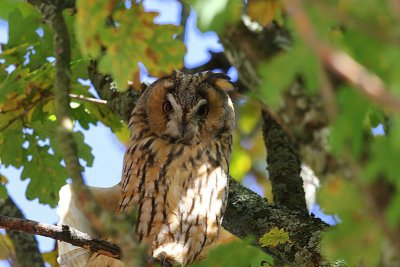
x=214 y=15
x=3 y=190
x=276 y=75
x=392 y=212
x=357 y=238
x=238 y=253
x=383 y=162
x=42 y=49
x=274 y=237
x=22 y=29
x=83 y=116
x=84 y=150
x=45 y=172
x=104 y=114
x=11 y=150
x=348 y=129
x=8 y=6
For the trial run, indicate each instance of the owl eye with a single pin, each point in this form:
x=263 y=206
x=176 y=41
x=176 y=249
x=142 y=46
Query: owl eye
x=202 y=111
x=167 y=107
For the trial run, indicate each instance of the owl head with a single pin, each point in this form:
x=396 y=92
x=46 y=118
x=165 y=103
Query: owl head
x=188 y=109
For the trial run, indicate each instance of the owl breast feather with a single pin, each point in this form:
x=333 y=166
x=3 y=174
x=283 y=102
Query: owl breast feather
x=180 y=192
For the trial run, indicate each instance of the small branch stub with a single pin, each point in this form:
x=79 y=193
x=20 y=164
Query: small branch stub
x=61 y=233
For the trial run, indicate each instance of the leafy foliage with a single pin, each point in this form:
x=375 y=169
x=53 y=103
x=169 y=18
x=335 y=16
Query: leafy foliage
x=357 y=238
x=131 y=37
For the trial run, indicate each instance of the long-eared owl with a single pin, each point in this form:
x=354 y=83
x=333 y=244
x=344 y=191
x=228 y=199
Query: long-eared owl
x=177 y=163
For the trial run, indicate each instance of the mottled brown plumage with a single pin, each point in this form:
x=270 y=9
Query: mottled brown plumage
x=176 y=166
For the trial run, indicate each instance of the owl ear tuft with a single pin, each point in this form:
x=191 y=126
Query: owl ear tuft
x=220 y=81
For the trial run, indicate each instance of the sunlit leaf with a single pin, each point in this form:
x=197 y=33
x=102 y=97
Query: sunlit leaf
x=6 y=247
x=238 y=253
x=274 y=237
x=123 y=134
x=215 y=15
x=45 y=172
x=263 y=11
x=51 y=257
x=240 y=162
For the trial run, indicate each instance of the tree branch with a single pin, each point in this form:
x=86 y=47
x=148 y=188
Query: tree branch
x=283 y=167
x=62 y=233
x=247 y=214
x=26 y=247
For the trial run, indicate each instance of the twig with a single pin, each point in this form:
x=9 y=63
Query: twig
x=89 y=99
x=62 y=233
x=367 y=83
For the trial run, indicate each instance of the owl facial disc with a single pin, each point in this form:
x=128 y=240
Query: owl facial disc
x=183 y=121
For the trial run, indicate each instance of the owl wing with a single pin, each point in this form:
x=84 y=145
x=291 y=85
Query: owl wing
x=70 y=213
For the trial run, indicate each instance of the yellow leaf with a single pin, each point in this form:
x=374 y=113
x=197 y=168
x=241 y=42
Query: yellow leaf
x=6 y=247
x=3 y=179
x=51 y=257
x=263 y=11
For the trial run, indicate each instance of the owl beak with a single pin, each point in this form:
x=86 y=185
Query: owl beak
x=183 y=129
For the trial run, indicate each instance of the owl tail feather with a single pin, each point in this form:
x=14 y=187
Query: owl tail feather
x=70 y=213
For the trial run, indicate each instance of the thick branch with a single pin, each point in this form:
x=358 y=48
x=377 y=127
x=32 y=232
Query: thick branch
x=283 y=167
x=247 y=214
x=62 y=233
x=25 y=245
